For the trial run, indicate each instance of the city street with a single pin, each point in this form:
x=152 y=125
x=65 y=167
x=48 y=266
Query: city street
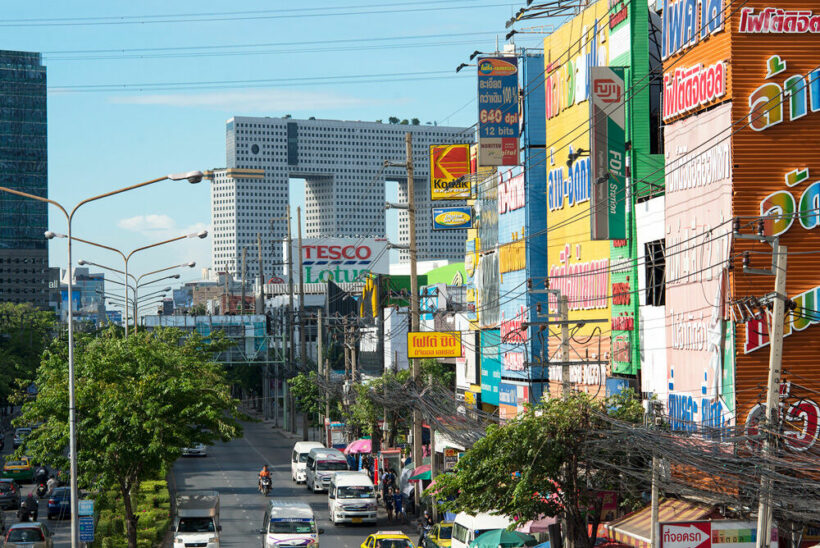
x=232 y=468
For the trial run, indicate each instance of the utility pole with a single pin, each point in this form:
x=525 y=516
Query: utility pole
x=654 y=534
x=302 y=326
x=414 y=299
x=260 y=303
x=565 y=385
x=227 y=294
x=320 y=347
x=764 y=512
x=288 y=398
x=244 y=256
x=354 y=366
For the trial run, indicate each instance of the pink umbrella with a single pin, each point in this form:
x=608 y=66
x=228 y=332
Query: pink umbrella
x=359 y=446
x=540 y=525
x=421 y=473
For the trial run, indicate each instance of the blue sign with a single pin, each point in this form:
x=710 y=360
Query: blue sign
x=451 y=218
x=490 y=366
x=85 y=507
x=86 y=524
x=498 y=97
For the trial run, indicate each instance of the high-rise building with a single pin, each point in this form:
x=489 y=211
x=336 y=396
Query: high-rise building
x=24 y=167
x=343 y=164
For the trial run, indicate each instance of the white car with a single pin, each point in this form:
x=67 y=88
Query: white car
x=197 y=450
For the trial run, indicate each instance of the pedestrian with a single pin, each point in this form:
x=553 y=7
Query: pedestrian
x=388 y=504
x=388 y=480
x=398 y=503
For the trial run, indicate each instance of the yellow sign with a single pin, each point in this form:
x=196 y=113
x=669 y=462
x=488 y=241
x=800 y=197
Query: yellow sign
x=449 y=172
x=434 y=344
x=512 y=257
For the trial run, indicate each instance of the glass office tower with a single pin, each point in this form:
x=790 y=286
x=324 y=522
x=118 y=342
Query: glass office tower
x=24 y=167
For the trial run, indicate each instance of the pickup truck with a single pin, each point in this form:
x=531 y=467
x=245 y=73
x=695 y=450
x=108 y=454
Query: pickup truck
x=197 y=519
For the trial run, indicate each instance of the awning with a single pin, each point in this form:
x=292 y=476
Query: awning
x=636 y=528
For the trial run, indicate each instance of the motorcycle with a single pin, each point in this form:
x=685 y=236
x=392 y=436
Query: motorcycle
x=265 y=485
x=27 y=514
x=42 y=489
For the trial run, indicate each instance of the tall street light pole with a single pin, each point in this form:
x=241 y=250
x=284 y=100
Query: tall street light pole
x=192 y=177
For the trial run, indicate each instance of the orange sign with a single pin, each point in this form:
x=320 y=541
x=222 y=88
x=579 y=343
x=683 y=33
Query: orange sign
x=448 y=166
x=434 y=344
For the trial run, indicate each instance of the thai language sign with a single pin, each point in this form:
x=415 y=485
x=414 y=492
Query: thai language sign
x=434 y=344
x=498 y=111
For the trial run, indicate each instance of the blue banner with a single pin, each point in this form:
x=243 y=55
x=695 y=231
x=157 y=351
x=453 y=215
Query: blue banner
x=451 y=218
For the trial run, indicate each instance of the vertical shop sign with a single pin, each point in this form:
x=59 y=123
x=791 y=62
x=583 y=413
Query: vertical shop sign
x=608 y=153
x=498 y=111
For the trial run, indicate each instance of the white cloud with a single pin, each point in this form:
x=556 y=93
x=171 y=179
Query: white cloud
x=147 y=223
x=253 y=100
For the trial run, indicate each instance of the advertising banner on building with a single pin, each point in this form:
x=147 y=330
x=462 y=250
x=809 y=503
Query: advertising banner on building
x=607 y=153
x=434 y=344
x=776 y=174
x=498 y=129
x=452 y=218
x=449 y=172
x=490 y=366
x=578 y=265
x=699 y=356
x=340 y=260
x=722 y=533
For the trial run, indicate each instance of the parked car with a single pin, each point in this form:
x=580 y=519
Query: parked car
x=440 y=536
x=20 y=435
x=9 y=494
x=59 y=503
x=196 y=450
x=29 y=535
x=19 y=470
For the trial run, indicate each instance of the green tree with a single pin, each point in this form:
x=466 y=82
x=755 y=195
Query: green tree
x=393 y=120
x=415 y=121
x=199 y=310
x=139 y=401
x=404 y=122
x=551 y=460
x=24 y=333
x=309 y=396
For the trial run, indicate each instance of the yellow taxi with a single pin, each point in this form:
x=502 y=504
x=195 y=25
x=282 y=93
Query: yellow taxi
x=387 y=539
x=19 y=469
x=440 y=536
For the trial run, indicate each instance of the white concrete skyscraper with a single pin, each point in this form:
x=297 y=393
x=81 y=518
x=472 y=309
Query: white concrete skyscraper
x=343 y=166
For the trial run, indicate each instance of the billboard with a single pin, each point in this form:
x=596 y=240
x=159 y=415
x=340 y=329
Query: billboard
x=607 y=153
x=490 y=366
x=452 y=218
x=712 y=534
x=340 y=260
x=578 y=265
x=434 y=344
x=698 y=204
x=498 y=111
x=448 y=166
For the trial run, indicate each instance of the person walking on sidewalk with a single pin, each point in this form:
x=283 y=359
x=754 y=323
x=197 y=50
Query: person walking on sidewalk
x=398 y=503
x=388 y=503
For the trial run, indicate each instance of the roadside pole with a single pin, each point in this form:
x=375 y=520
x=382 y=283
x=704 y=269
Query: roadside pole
x=302 y=334
x=565 y=384
x=242 y=277
x=290 y=420
x=319 y=348
x=414 y=300
x=764 y=512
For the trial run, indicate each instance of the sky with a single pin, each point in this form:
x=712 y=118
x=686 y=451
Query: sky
x=138 y=90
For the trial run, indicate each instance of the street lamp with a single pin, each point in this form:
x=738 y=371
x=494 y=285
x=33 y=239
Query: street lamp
x=137 y=284
x=201 y=234
x=192 y=177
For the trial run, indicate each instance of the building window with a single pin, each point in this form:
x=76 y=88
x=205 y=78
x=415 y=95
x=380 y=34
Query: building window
x=655 y=272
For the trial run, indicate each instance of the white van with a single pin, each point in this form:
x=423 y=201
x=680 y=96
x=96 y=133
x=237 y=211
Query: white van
x=298 y=458
x=466 y=527
x=351 y=498
x=288 y=523
x=320 y=466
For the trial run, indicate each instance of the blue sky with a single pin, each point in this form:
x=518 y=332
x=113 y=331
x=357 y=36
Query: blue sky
x=176 y=73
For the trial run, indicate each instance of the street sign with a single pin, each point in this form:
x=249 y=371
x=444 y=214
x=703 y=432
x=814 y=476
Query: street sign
x=434 y=344
x=693 y=534
x=86 y=525
x=85 y=507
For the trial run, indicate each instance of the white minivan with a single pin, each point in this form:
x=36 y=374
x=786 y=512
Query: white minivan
x=298 y=458
x=320 y=466
x=467 y=527
x=288 y=523
x=351 y=498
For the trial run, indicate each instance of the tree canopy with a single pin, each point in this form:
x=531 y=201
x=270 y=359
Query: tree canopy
x=139 y=401
x=24 y=333
x=549 y=461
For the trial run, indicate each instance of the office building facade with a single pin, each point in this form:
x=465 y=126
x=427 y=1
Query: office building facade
x=343 y=165
x=24 y=167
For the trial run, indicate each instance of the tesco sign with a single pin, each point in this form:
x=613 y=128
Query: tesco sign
x=340 y=260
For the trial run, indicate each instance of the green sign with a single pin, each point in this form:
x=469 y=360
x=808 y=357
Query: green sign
x=608 y=153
